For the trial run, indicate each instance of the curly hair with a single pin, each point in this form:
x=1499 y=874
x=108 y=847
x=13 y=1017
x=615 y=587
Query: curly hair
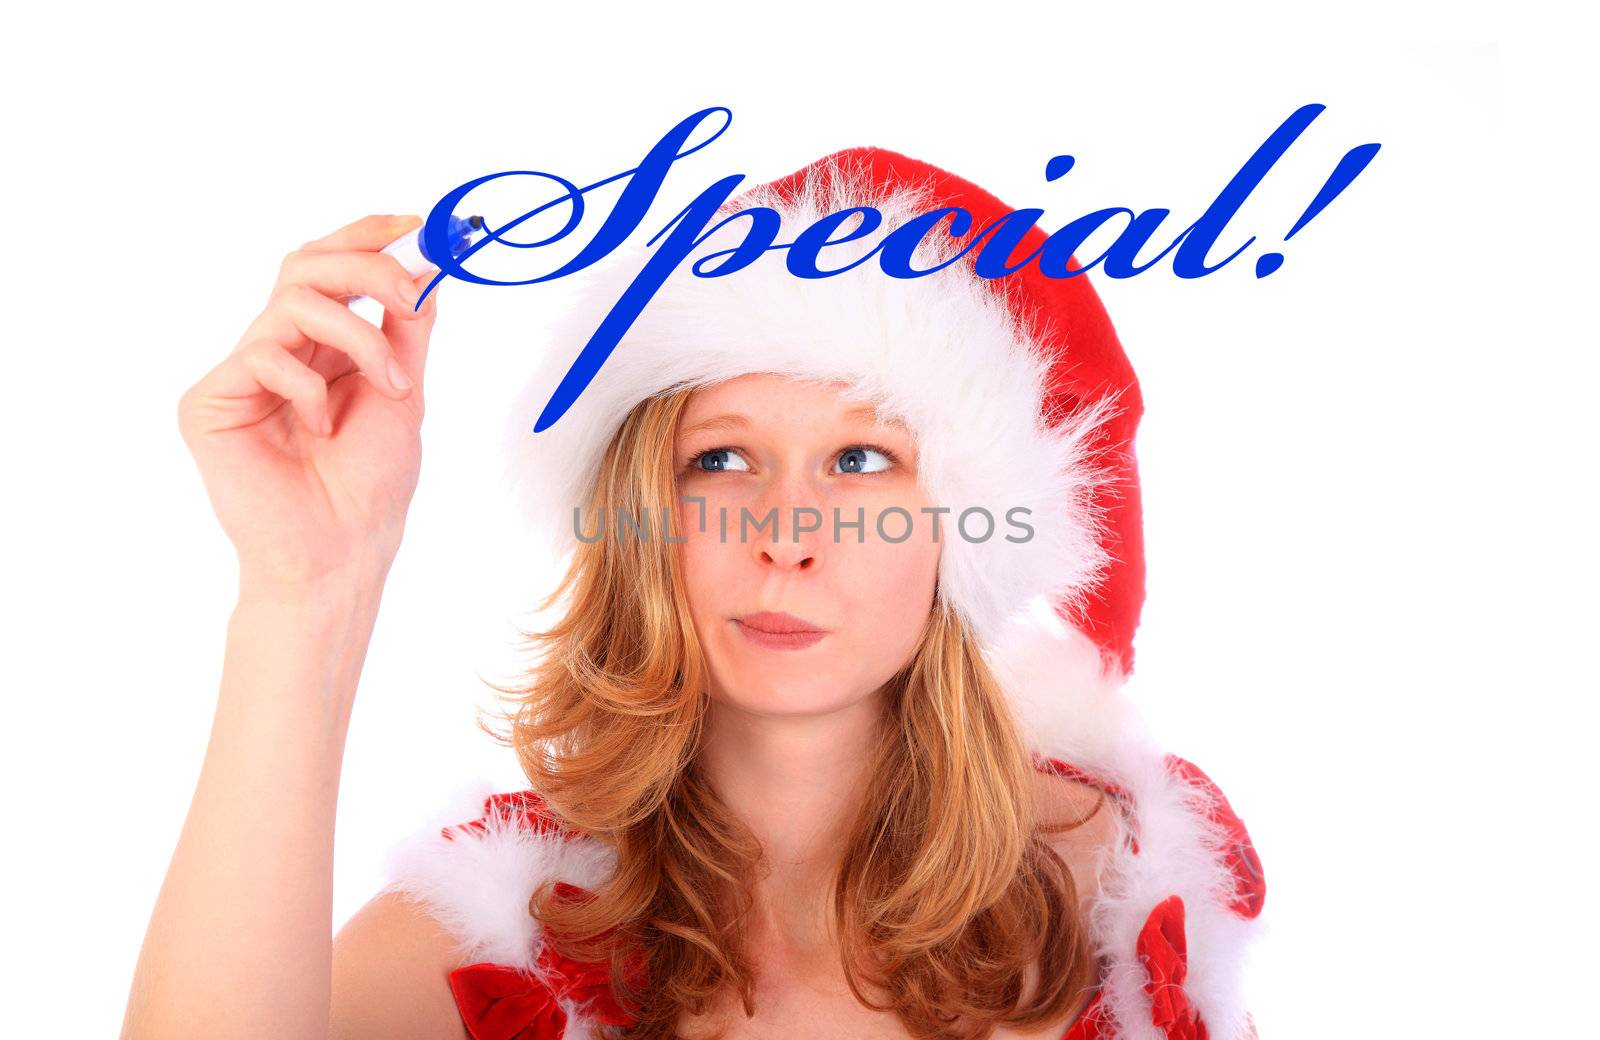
x=948 y=889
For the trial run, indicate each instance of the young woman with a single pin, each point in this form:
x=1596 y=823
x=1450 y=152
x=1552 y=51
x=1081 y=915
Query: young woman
x=829 y=739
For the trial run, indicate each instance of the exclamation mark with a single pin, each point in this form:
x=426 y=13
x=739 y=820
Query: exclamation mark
x=1354 y=161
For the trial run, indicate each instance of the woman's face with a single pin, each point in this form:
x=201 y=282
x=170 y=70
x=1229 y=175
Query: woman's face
x=764 y=451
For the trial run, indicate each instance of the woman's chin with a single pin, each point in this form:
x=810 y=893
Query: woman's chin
x=761 y=692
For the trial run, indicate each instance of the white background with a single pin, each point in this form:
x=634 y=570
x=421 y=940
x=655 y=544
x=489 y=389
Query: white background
x=1362 y=475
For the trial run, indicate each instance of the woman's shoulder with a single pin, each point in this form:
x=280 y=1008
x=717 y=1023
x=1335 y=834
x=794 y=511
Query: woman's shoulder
x=391 y=966
x=1180 y=890
x=1080 y=822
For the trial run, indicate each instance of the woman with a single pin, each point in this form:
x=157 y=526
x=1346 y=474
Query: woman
x=932 y=814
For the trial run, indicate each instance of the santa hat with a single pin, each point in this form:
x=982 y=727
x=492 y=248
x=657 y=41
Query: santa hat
x=1016 y=388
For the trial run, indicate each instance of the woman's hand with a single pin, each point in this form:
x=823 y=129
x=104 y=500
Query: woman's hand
x=307 y=435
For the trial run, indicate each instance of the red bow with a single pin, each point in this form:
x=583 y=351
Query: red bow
x=500 y=1003
x=1163 y=950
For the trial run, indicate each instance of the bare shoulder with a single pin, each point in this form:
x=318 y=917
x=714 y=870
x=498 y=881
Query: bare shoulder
x=1063 y=800
x=391 y=967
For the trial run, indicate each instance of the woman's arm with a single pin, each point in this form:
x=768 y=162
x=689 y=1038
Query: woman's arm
x=308 y=438
x=239 y=944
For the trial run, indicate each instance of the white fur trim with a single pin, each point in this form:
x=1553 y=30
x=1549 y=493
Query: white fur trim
x=942 y=352
x=1180 y=852
x=1076 y=712
x=478 y=885
x=1065 y=693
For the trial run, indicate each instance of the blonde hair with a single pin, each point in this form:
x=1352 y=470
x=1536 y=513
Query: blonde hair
x=947 y=890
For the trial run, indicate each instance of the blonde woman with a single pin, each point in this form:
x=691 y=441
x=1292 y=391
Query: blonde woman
x=828 y=739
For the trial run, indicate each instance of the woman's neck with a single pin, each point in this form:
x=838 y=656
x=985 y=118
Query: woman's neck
x=795 y=781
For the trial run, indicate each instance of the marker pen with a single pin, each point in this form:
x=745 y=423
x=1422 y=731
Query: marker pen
x=409 y=250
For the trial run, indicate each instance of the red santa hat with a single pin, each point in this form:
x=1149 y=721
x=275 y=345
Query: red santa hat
x=1016 y=388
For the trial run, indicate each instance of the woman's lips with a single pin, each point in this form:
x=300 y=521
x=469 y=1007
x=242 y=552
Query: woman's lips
x=777 y=631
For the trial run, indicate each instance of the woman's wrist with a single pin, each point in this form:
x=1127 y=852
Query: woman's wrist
x=309 y=637
x=353 y=584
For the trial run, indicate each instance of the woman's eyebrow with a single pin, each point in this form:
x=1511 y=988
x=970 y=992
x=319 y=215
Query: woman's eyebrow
x=870 y=414
x=719 y=422
x=735 y=421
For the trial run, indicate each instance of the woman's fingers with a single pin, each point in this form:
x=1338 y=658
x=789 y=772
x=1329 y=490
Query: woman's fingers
x=409 y=336
x=275 y=369
x=306 y=338
x=339 y=275
x=300 y=315
x=229 y=395
x=369 y=234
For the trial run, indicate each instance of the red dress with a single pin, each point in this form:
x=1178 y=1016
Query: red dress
x=539 y=994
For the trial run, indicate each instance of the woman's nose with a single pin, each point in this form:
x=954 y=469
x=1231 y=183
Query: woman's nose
x=794 y=557
x=789 y=533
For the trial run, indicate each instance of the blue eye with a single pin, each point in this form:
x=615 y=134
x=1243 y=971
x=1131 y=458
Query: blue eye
x=718 y=458
x=853 y=460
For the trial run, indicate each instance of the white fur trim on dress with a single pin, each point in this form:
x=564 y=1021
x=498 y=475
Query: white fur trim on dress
x=943 y=353
x=479 y=884
x=1074 y=711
